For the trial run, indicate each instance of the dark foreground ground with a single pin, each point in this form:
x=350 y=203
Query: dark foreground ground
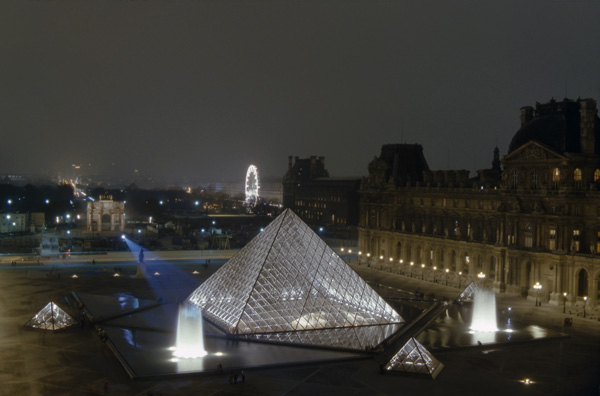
x=76 y=362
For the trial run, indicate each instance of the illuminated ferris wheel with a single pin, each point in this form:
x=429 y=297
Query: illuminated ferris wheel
x=252 y=185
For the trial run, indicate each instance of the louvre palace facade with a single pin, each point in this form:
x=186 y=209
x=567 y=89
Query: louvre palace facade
x=534 y=216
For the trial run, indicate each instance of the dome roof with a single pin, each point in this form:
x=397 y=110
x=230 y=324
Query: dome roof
x=556 y=125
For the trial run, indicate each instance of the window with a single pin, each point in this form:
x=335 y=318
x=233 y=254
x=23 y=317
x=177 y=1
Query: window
x=514 y=178
x=534 y=179
x=597 y=175
x=577 y=177
x=555 y=178
x=529 y=236
x=552 y=239
x=575 y=240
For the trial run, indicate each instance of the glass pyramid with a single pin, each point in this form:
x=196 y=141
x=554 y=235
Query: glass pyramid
x=287 y=285
x=415 y=358
x=51 y=317
x=467 y=294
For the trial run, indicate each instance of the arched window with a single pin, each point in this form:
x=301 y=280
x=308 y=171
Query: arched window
x=582 y=283
x=555 y=177
x=514 y=178
x=597 y=175
x=577 y=176
x=534 y=179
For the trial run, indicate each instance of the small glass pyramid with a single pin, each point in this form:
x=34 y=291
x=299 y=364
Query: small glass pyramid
x=415 y=358
x=51 y=317
x=287 y=285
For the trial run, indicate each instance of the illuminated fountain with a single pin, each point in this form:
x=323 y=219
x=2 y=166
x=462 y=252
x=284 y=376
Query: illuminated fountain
x=190 y=333
x=484 y=311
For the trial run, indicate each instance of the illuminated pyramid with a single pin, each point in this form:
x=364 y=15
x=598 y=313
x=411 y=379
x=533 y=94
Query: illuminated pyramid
x=51 y=317
x=467 y=294
x=415 y=358
x=287 y=285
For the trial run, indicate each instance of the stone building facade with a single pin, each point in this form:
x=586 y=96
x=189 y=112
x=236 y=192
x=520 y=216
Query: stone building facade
x=537 y=220
x=318 y=198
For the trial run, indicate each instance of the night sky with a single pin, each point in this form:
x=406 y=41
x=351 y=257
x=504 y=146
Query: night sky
x=199 y=90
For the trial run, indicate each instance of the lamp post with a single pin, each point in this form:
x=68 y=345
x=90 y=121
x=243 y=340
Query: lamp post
x=584 y=301
x=459 y=278
x=391 y=265
x=411 y=265
x=401 y=265
x=481 y=277
x=564 y=302
x=434 y=269
x=368 y=259
x=537 y=288
x=447 y=270
x=381 y=261
x=422 y=271
x=359 y=256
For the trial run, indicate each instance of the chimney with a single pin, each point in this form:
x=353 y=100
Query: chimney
x=587 y=112
x=526 y=115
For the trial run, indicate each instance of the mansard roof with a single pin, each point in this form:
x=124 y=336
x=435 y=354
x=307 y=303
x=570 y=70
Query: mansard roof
x=556 y=125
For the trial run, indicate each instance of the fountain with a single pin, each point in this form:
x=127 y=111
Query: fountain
x=484 y=311
x=190 y=333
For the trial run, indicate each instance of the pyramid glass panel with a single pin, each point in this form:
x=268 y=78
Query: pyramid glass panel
x=415 y=358
x=288 y=280
x=467 y=294
x=51 y=317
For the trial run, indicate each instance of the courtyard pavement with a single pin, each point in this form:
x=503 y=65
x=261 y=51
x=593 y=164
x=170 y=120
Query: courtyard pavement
x=77 y=362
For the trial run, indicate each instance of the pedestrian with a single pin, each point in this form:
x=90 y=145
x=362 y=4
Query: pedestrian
x=243 y=376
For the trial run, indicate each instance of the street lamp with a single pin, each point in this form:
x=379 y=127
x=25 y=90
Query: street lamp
x=459 y=278
x=447 y=270
x=481 y=277
x=422 y=271
x=584 y=301
x=537 y=288
x=434 y=269
x=564 y=302
x=359 y=256
x=411 y=265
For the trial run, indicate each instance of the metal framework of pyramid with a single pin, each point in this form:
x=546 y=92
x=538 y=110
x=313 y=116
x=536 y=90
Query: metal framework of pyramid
x=467 y=294
x=287 y=285
x=51 y=317
x=415 y=358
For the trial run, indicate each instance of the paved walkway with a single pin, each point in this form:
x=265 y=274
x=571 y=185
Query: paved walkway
x=76 y=362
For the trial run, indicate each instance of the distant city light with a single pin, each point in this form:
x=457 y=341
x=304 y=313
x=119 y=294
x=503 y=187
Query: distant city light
x=47 y=201
x=160 y=202
x=197 y=203
x=10 y=201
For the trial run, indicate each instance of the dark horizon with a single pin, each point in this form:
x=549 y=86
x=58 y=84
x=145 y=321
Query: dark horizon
x=201 y=90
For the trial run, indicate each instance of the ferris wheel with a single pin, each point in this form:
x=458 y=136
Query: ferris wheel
x=252 y=185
